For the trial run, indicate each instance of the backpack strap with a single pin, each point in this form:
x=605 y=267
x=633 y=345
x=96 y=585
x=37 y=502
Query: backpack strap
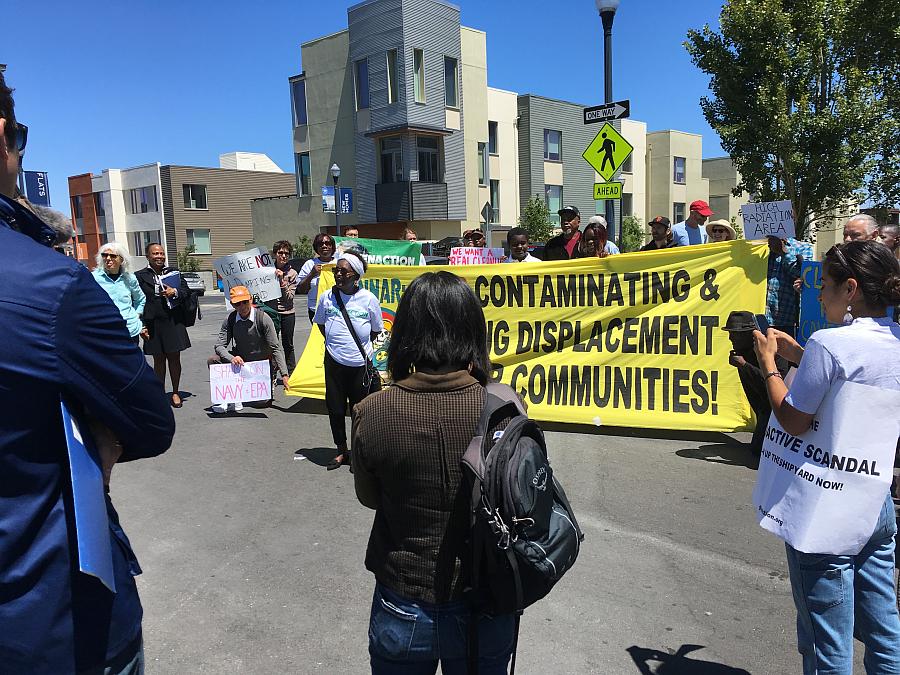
x=232 y=319
x=340 y=303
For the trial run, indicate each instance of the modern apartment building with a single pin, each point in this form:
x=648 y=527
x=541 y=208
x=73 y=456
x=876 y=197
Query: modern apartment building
x=723 y=177
x=675 y=163
x=176 y=206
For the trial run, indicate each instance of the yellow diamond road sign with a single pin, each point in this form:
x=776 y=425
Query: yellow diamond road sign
x=611 y=190
x=608 y=151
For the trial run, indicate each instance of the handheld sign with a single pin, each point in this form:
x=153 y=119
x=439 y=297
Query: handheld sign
x=240 y=384
x=252 y=268
x=475 y=255
x=768 y=219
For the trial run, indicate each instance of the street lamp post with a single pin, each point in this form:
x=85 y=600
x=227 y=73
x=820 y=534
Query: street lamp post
x=607 y=9
x=336 y=177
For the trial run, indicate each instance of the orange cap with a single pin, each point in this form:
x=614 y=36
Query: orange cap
x=239 y=294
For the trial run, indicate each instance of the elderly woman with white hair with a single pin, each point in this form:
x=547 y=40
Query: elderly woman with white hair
x=350 y=319
x=122 y=286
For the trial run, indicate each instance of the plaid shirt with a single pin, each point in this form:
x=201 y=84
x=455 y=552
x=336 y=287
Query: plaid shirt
x=782 y=301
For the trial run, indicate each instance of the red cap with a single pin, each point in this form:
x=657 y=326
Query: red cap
x=701 y=207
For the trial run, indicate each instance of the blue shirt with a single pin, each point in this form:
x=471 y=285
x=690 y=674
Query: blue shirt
x=683 y=235
x=126 y=295
x=611 y=248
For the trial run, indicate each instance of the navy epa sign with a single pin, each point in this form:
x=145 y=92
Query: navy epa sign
x=607 y=112
x=36 y=188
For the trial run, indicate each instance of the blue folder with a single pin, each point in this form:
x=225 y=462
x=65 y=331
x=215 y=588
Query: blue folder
x=92 y=532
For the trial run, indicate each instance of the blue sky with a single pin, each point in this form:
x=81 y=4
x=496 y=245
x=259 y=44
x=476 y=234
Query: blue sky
x=117 y=84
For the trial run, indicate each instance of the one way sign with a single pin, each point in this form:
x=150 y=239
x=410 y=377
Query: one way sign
x=607 y=112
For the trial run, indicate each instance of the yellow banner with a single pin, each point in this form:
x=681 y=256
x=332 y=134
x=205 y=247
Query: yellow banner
x=631 y=340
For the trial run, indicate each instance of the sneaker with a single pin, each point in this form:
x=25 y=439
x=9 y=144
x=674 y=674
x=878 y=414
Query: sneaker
x=237 y=406
x=219 y=408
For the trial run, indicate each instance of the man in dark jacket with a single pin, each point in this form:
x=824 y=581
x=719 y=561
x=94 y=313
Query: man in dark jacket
x=562 y=246
x=64 y=339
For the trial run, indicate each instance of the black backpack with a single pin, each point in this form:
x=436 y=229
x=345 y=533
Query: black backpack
x=191 y=308
x=524 y=535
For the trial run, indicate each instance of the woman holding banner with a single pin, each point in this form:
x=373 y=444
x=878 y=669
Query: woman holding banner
x=594 y=241
x=350 y=319
x=848 y=589
x=308 y=283
x=408 y=443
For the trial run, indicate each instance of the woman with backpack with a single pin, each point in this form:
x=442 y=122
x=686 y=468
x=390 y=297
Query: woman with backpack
x=408 y=443
x=349 y=317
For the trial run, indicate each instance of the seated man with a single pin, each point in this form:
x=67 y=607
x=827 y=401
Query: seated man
x=254 y=337
x=740 y=327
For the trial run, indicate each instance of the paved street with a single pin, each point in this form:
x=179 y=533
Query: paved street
x=253 y=558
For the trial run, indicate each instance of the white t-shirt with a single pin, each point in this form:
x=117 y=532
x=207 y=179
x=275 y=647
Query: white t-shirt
x=528 y=258
x=307 y=267
x=365 y=314
x=864 y=352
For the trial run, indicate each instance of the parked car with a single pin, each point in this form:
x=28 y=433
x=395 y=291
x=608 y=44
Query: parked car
x=195 y=282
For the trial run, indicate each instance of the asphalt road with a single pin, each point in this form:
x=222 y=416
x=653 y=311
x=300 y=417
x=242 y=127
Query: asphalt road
x=253 y=557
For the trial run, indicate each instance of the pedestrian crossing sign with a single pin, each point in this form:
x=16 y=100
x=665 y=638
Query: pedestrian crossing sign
x=608 y=151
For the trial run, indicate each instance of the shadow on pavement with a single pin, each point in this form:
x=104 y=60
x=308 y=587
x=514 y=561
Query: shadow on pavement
x=722 y=453
x=634 y=432
x=233 y=415
x=678 y=663
x=318 y=456
x=308 y=406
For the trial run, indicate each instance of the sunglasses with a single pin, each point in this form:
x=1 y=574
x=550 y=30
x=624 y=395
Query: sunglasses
x=108 y=255
x=21 y=136
x=719 y=230
x=340 y=271
x=239 y=303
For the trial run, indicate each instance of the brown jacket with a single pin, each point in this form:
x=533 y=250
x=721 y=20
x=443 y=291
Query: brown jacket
x=407 y=445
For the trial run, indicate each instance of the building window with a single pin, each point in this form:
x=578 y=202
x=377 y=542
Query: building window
x=677 y=212
x=419 y=75
x=141 y=240
x=361 y=75
x=98 y=204
x=78 y=215
x=298 y=98
x=429 y=156
x=678 y=172
x=628 y=165
x=552 y=143
x=303 y=174
x=194 y=196
x=391 y=160
x=483 y=170
x=199 y=239
x=451 y=82
x=392 y=79
x=495 y=201
x=627 y=204
x=554 y=195
x=492 y=138
x=141 y=200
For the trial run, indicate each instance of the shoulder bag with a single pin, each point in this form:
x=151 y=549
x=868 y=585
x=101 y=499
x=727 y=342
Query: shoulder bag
x=371 y=379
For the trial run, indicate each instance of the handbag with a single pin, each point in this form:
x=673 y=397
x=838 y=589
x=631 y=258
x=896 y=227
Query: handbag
x=371 y=378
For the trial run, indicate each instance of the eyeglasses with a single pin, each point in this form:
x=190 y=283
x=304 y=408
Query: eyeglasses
x=719 y=230
x=282 y=252
x=340 y=271
x=240 y=303
x=21 y=136
x=108 y=255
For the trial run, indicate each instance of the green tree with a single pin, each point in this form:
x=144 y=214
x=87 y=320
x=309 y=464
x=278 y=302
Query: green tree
x=738 y=230
x=536 y=219
x=800 y=99
x=186 y=261
x=303 y=247
x=632 y=234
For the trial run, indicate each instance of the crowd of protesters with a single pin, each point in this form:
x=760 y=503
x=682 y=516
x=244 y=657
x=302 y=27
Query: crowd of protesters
x=68 y=325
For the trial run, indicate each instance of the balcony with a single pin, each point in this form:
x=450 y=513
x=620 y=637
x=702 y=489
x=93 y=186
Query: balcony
x=410 y=200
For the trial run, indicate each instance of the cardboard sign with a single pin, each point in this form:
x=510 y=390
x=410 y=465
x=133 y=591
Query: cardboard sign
x=254 y=269
x=768 y=219
x=822 y=491
x=475 y=255
x=239 y=384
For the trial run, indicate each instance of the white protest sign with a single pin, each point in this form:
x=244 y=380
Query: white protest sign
x=254 y=269
x=822 y=491
x=239 y=384
x=768 y=219
x=475 y=255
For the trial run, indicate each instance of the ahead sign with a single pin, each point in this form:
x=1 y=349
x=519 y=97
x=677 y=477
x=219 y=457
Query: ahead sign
x=607 y=111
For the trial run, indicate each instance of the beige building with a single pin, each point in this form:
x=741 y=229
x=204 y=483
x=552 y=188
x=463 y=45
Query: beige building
x=723 y=177
x=675 y=161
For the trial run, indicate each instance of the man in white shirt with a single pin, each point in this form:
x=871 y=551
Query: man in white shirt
x=691 y=232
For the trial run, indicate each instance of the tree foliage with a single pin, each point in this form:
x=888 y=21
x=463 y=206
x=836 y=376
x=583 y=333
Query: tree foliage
x=186 y=261
x=805 y=100
x=303 y=248
x=632 y=234
x=536 y=219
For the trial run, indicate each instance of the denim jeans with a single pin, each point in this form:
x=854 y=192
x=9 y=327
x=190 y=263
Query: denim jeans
x=842 y=596
x=407 y=637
